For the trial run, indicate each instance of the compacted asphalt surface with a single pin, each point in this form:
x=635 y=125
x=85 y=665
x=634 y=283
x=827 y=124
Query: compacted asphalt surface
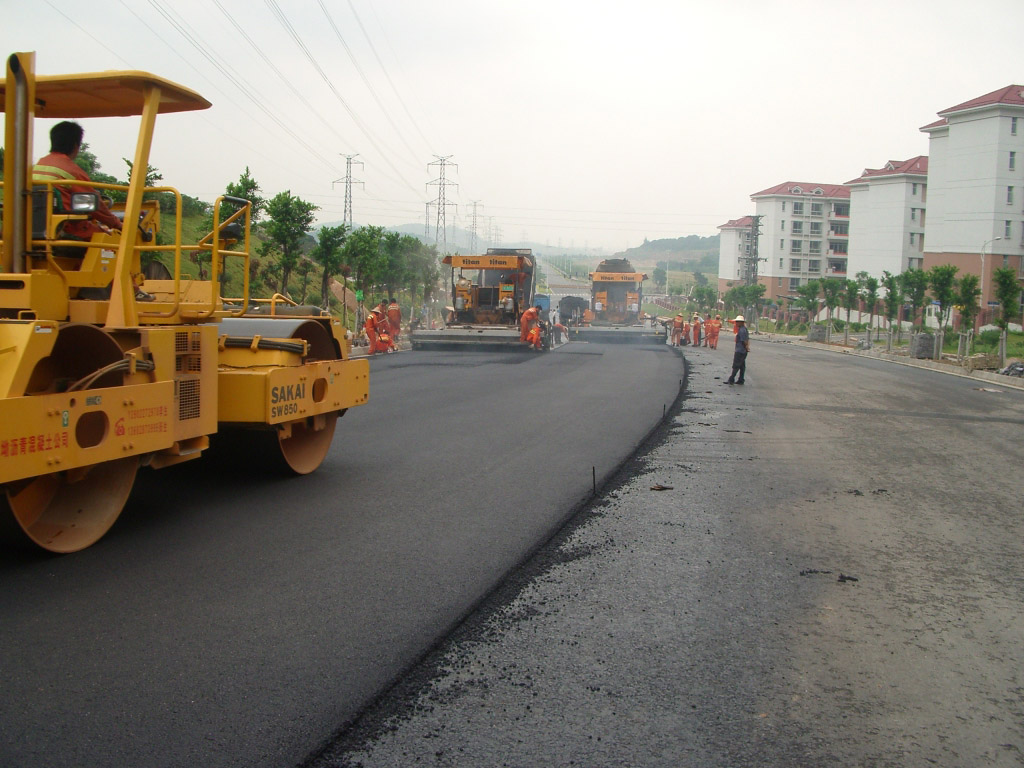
x=235 y=617
x=823 y=567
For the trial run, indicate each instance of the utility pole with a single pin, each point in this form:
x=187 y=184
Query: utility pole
x=426 y=223
x=472 y=229
x=441 y=231
x=349 y=181
x=748 y=262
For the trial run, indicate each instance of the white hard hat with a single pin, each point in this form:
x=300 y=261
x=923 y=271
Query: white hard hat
x=739 y=319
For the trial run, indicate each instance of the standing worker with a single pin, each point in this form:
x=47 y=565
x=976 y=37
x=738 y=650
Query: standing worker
x=395 y=319
x=677 y=328
x=713 y=331
x=707 y=329
x=739 y=357
x=695 y=327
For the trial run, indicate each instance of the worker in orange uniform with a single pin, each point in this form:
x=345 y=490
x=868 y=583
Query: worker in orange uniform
x=677 y=328
x=395 y=319
x=713 y=331
x=707 y=328
x=528 y=319
x=60 y=165
x=695 y=327
x=373 y=319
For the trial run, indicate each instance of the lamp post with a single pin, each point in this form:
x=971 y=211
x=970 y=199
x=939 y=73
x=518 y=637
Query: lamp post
x=983 y=247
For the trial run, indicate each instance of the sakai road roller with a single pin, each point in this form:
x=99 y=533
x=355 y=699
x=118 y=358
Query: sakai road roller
x=616 y=295
x=489 y=292
x=103 y=371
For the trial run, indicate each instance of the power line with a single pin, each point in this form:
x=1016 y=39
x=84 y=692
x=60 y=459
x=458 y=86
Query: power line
x=283 y=20
x=366 y=81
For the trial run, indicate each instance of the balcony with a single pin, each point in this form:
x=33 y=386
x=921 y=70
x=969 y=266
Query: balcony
x=833 y=233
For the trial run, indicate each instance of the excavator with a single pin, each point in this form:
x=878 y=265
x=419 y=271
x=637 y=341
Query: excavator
x=616 y=297
x=103 y=371
x=490 y=292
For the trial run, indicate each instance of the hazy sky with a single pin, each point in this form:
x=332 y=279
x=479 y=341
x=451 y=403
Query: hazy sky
x=577 y=122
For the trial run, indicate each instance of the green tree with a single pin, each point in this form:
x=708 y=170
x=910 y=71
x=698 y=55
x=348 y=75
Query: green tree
x=1008 y=295
x=968 y=292
x=424 y=268
x=395 y=269
x=869 y=293
x=850 y=299
x=699 y=278
x=914 y=283
x=893 y=296
x=363 y=253
x=327 y=254
x=942 y=281
x=659 y=276
x=831 y=290
x=808 y=294
x=246 y=187
x=86 y=160
x=291 y=218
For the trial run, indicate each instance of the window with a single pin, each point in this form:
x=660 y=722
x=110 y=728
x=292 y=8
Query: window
x=782 y=244
x=779 y=283
x=1013 y=126
x=1007 y=230
x=783 y=205
x=814 y=265
x=816 y=209
x=796 y=246
x=913 y=189
x=1013 y=161
x=798 y=209
x=837 y=246
x=1009 y=195
x=815 y=246
x=794 y=283
x=794 y=265
x=782 y=225
x=913 y=214
x=798 y=227
x=912 y=238
x=841 y=209
x=840 y=228
x=781 y=260
x=815 y=228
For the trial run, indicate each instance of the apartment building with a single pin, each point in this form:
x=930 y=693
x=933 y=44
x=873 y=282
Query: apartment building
x=976 y=186
x=805 y=232
x=887 y=217
x=733 y=247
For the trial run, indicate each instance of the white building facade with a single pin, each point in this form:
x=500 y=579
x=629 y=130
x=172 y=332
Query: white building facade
x=887 y=217
x=805 y=233
x=733 y=246
x=976 y=186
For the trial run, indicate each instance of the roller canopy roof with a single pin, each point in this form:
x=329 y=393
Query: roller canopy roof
x=107 y=94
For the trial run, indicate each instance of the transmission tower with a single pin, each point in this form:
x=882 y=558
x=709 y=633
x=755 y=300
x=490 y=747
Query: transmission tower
x=472 y=229
x=441 y=232
x=426 y=222
x=349 y=181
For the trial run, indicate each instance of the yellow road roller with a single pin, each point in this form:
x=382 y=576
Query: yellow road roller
x=102 y=370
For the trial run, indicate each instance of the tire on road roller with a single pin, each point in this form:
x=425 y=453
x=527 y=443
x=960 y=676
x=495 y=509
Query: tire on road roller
x=70 y=510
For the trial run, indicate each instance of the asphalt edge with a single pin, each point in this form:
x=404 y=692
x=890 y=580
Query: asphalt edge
x=352 y=733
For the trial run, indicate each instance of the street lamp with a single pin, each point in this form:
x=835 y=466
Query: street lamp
x=983 y=247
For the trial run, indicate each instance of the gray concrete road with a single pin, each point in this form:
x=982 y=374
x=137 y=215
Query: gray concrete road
x=234 y=617
x=833 y=576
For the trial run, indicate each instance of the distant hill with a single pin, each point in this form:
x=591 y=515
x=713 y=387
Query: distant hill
x=689 y=253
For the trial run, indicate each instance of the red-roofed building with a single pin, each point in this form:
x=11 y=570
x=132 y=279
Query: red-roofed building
x=804 y=234
x=976 y=186
x=887 y=217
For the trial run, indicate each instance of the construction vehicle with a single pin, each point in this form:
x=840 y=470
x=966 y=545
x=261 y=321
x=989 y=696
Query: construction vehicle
x=489 y=292
x=103 y=371
x=616 y=297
